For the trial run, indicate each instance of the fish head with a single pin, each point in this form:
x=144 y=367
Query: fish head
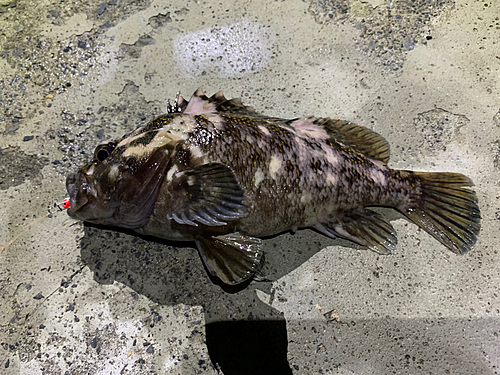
x=119 y=186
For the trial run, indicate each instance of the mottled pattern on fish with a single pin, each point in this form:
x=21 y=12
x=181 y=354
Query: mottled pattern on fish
x=216 y=171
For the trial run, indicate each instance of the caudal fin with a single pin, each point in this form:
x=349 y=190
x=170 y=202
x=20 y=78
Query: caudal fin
x=446 y=209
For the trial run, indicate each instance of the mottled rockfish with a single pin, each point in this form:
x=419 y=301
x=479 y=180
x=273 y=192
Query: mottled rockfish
x=216 y=172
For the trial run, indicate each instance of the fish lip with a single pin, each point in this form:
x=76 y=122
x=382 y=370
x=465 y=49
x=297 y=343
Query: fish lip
x=78 y=187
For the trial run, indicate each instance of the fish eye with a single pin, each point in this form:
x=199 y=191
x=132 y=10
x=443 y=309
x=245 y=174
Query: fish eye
x=103 y=151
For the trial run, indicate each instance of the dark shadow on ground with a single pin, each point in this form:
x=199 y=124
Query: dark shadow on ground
x=244 y=335
x=249 y=347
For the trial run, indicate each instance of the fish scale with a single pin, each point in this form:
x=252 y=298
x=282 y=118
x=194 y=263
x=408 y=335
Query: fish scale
x=217 y=172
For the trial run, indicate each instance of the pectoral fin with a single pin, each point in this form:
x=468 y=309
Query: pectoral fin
x=232 y=258
x=208 y=194
x=362 y=226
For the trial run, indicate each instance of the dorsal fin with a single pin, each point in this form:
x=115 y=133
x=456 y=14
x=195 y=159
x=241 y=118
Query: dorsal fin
x=217 y=98
x=235 y=106
x=359 y=138
x=200 y=103
x=179 y=105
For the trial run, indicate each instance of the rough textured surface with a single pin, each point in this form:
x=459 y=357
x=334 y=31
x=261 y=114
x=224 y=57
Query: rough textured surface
x=80 y=299
x=386 y=31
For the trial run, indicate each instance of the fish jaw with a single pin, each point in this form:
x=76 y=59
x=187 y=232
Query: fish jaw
x=84 y=202
x=78 y=196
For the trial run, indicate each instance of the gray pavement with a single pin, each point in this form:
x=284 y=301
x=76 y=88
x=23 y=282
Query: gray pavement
x=77 y=299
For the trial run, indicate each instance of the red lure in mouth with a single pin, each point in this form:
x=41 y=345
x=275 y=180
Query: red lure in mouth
x=66 y=203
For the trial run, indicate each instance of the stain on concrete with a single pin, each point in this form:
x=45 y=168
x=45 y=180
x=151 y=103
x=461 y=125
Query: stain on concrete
x=496 y=119
x=16 y=167
x=438 y=127
x=226 y=51
x=387 y=30
x=495 y=149
x=52 y=57
x=82 y=131
x=160 y=20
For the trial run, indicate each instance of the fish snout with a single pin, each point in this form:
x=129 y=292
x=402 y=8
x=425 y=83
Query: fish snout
x=80 y=192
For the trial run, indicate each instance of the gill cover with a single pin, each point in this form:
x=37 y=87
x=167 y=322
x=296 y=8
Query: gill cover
x=126 y=200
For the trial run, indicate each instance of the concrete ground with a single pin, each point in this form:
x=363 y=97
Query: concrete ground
x=76 y=299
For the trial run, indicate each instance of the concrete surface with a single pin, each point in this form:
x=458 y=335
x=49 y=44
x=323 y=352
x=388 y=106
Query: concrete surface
x=82 y=300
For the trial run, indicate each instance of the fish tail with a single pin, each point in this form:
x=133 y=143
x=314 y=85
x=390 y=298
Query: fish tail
x=446 y=209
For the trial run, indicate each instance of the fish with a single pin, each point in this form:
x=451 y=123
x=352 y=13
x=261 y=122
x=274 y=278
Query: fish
x=217 y=172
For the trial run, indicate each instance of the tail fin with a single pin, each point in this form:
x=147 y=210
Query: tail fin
x=446 y=209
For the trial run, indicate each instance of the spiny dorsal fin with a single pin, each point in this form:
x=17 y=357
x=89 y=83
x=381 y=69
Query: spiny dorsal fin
x=200 y=103
x=359 y=138
x=217 y=98
x=179 y=105
x=235 y=106
x=199 y=93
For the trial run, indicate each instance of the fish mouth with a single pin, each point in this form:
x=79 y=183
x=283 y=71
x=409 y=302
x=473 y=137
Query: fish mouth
x=80 y=193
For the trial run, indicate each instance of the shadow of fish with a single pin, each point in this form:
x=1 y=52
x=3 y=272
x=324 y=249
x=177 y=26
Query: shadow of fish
x=215 y=171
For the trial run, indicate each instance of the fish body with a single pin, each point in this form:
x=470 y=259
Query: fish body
x=217 y=172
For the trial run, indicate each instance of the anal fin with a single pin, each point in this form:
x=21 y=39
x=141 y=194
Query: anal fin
x=232 y=258
x=362 y=226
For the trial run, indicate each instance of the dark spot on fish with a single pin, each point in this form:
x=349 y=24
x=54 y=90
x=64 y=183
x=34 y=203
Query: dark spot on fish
x=202 y=136
x=160 y=122
x=316 y=165
x=132 y=163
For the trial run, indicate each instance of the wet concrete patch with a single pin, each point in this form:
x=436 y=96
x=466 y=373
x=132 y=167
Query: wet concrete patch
x=234 y=50
x=51 y=50
x=139 y=306
x=16 y=167
x=84 y=130
x=387 y=30
x=438 y=128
